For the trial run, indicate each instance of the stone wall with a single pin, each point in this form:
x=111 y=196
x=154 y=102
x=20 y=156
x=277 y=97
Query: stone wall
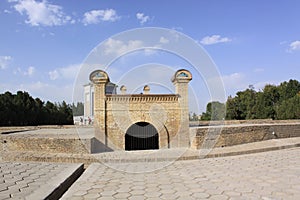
x=162 y=111
x=229 y=135
x=232 y=122
x=47 y=145
x=50 y=139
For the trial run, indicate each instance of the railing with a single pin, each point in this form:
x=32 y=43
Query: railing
x=143 y=97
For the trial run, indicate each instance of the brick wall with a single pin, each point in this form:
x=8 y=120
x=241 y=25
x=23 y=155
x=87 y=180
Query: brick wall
x=47 y=145
x=229 y=135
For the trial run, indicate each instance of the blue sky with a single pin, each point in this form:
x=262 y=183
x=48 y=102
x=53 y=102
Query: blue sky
x=44 y=43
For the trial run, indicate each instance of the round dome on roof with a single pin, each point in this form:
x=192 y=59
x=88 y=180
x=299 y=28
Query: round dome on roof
x=146 y=88
x=123 y=88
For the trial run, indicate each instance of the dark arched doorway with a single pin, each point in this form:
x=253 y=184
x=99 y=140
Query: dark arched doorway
x=141 y=136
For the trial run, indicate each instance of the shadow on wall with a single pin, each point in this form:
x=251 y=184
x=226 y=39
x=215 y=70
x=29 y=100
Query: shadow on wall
x=99 y=147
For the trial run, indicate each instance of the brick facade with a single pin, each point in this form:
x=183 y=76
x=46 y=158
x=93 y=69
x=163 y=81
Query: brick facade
x=168 y=113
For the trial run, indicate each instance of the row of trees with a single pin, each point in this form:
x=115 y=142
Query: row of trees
x=273 y=102
x=22 y=110
x=78 y=109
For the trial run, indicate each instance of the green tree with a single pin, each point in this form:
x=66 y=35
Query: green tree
x=266 y=102
x=65 y=113
x=193 y=117
x=214 y=111
x=246 y=102
x=232 y=111
x=289 y=89
x=276 y=102
x=8 y=116
x=242 y=105
x=78 y=109
x=289 y=109
x=22 y=110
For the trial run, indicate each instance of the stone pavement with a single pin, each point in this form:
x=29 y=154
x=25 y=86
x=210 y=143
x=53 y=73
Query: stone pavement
x=269 y=176
x=36 y=180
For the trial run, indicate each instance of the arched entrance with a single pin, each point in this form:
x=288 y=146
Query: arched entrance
x=141 y=136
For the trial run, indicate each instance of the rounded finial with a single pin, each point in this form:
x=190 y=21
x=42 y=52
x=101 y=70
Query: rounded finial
x=123 y=89
x=146 y=89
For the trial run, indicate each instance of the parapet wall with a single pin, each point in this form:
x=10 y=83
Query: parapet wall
x=236 y=122
x=47 y=145
x=70 y=143
x=50 y=139
x=239 y=134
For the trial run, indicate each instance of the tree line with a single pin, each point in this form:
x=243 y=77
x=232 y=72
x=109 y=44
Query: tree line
x=22 y=110
x=78 y=109
x=272 y=102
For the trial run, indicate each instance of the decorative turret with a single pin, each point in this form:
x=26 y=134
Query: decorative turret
x=123 y=89
x=146 y=89
x=180 y=80
x=100 y=78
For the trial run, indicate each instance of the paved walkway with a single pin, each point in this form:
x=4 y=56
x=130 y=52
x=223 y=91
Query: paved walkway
x=269 y=175
x=36 y=180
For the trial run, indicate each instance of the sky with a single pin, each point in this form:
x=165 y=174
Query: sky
x=46 y=45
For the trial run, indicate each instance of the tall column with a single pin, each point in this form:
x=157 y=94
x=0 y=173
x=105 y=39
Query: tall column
x=100 y=78
x=181 y=80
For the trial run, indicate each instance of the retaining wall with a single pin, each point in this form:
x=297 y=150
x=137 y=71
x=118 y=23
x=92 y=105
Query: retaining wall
x=47 y=145
x=229 y=135
x=236 y=122
x=200 y=137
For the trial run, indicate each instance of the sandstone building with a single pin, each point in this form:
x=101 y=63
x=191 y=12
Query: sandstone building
x=139 y=121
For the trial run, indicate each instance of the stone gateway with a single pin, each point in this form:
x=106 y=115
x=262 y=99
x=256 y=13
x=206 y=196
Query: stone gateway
x=141 y=121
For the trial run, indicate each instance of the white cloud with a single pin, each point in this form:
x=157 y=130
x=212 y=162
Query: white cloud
x=7 y=11
x=41 y=13
x=69 y=72
x=234 y=80
x=30 y=71
x=260 y=85
x=239 y=82
x=295 y=45
x=282 y=42
x=214 y=39
x=119 y=47
x=4 y=61
x=53 y=75
x=163 y=40
x=18 y=70
x=96 y=16
x=149 y=52
x=142 y=18
x=259 y=70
